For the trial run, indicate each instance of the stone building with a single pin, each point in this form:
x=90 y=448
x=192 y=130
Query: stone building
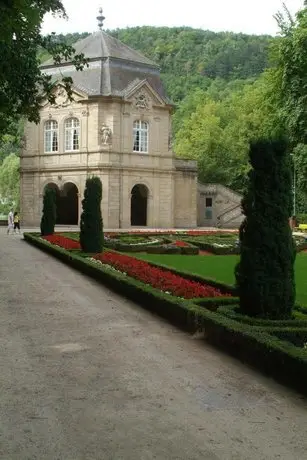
x=117 y=127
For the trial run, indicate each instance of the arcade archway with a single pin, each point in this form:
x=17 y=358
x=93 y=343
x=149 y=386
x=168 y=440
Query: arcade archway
x=139 y=202
x=67 y=206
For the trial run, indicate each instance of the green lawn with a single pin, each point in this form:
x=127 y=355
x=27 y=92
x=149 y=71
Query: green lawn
x=221 y=268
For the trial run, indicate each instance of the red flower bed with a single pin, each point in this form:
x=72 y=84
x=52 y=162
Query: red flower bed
x=158 y=278
x=62 y=241
x=181 y=244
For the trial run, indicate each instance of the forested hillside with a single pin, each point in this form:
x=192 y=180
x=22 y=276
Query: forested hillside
x=191 y=58
x=215 y=82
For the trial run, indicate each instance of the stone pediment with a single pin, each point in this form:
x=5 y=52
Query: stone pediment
x=143 y=97
x=62 y=100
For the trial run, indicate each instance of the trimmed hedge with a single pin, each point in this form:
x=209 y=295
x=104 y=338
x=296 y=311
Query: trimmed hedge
x=232 y=311
x=278 y=358
x=297 y=337
x=153 y=248
x=213 y=249
x=215 y=304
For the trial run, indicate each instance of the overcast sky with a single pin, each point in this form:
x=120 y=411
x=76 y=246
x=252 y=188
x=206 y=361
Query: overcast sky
x=249 y=16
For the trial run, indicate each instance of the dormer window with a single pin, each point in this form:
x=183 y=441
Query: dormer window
x=51 y=136
x=72 y=134
x=140 y=136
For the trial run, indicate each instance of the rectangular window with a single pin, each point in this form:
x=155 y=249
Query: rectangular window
x=140 y=136
x=208 y=202
x=51 y=136
x=208 y=208
x=72 y=134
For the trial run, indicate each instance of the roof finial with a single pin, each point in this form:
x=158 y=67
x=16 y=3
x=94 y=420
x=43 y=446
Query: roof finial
x=100 y=19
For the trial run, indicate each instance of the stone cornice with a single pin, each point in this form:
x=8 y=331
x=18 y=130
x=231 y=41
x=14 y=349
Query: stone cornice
x=100 y=167
x=93 y=152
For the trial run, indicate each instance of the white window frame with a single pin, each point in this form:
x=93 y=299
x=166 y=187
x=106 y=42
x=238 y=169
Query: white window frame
x=140 y=131
x=71 y=128
x=51 y=129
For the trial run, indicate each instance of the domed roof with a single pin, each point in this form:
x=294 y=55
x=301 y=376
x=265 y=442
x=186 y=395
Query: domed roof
x=113 y=67
x=100 y=45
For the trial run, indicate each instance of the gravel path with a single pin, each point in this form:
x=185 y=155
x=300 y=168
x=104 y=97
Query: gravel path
x=87 y=375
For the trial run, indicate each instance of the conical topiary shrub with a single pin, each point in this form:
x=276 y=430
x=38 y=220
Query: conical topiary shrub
x=265 y=273
x=49 y=212
x=91 y=228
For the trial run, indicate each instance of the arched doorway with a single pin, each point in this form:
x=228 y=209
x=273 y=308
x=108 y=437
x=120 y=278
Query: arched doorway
x=139 y=199
x=67 y=206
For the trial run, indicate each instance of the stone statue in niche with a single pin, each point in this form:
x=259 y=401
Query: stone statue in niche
x=61 y=98
x=106 y=134
x=141 y=101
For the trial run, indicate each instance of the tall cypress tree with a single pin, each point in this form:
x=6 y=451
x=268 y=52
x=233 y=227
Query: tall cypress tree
x=265 y=273
x=91 y=228
x=49 y=212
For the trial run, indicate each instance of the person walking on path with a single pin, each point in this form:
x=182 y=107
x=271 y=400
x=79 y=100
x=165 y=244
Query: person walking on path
x=16 y=222
x=10 y=221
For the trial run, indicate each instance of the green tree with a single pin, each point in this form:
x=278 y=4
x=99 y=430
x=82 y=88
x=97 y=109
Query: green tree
x=215 y=128
x=9 y=182
x=300 y=168
x=182 y=50
x=22 y=83
x=265 y=273
x=91 y=228
x=289 y=73
x=288 y=90
x=49 y=212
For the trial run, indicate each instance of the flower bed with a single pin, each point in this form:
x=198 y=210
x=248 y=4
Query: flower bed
x=158 y=278
x=181 y=244
x=215 y=247
x=62 y=241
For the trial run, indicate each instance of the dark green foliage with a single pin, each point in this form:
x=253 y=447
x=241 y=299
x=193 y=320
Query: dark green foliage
x=91 y=230
x=187 y=51
x=265 y=273
x=49 y=212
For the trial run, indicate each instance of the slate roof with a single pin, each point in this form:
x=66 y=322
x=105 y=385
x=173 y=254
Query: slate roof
x=113 y=68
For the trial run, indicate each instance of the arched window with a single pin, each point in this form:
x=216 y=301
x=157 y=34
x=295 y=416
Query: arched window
x=140 y=136
x=51 y=136
x=72 y=134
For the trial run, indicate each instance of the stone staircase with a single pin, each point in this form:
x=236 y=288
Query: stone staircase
x=230 y=218
x=227 y=205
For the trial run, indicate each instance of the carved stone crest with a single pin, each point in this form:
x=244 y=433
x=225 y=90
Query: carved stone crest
x=141 y=101
x=106 y=134
x=61 y=98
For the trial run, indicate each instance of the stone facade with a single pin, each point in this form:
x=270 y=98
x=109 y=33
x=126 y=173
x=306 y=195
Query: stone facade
x=171 y=188
x=218 y=206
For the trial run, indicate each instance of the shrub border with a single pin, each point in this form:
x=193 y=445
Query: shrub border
x=278 y=358
x=229 y=310
x=218 y=251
